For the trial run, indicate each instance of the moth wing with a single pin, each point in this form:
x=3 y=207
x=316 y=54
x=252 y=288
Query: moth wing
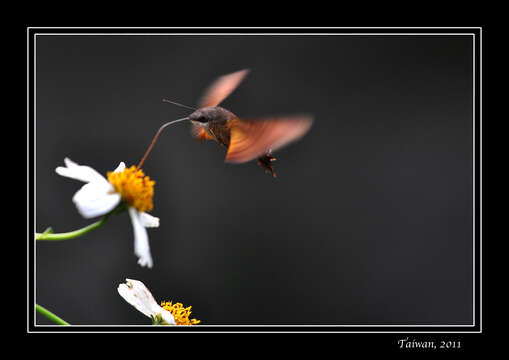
x=250 y=139
x=221 y=88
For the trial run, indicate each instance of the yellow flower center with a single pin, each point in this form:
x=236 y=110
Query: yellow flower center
x=180 y=313
x=135 y=188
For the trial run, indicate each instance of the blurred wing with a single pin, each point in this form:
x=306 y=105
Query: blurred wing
x=221 y=88
x=250 y=139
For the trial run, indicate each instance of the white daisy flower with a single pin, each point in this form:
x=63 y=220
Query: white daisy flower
x=101 y=195
x=137 y=294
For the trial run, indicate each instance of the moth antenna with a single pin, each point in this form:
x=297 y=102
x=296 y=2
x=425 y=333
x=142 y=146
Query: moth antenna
x=181 y=105
x=157 y=137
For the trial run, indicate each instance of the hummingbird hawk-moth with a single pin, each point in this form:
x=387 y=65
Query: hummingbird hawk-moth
x=244 y=139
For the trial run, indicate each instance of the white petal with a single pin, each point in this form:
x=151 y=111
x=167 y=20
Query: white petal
x=95 y=199
x=148 y=220
x=120 y=167
x=79 y=172
x=141 y=246
x=137 y=294
x=69 y=163
x=167 y=317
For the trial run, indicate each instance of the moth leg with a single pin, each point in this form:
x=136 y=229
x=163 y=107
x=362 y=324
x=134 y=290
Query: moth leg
x=265 y=162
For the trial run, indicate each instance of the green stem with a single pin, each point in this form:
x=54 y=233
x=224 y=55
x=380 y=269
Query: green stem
x=50 y=315
x=47 y=235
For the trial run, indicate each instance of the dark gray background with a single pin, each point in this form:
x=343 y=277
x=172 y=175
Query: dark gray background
x=369 y=221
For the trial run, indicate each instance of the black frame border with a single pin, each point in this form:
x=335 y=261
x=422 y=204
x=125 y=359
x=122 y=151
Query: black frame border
x=409 y=331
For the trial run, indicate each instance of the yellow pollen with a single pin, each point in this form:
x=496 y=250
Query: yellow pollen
x=135 y=188
x=180 y=313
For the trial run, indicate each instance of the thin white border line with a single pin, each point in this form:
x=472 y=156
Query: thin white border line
x=473 y=179
x=261 y=325
x=35 y=161
x=256 y=27
x=248 y=34
x=480 y=179
x=349 y=34
x=28 y=175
